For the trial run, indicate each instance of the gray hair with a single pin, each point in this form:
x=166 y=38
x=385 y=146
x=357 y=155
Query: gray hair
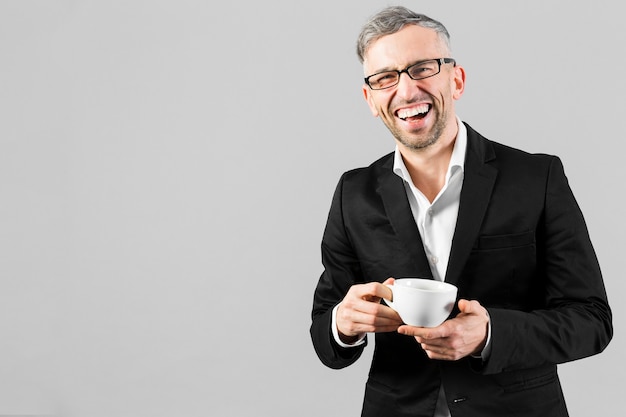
x=390 y=20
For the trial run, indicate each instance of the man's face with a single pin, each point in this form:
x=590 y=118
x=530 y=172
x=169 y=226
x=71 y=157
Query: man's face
x=417 y=112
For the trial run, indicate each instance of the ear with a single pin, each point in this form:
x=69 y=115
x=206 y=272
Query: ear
x=459 y=82
x=367 y=93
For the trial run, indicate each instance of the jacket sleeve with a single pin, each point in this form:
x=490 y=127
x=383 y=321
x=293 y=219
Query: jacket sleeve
x=341 y=271
x=575 y=320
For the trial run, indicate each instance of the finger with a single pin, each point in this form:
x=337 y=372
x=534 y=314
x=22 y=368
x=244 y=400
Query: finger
x=407 y=330
x=437 y=345
x=383 y=291
x=364 y=316
x=375 y=309
x=372 y=291
x=352 y=322
x=442 y=351
x=425 y=333
x=434 y=351
x=363 y=323
x=376 y=314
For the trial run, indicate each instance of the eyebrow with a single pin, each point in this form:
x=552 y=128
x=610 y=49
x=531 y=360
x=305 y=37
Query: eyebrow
x=385 y=69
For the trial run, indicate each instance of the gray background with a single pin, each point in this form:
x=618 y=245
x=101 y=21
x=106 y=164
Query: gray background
x=166 y=169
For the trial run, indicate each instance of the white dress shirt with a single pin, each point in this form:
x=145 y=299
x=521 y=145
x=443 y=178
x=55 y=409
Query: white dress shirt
x=436 y=222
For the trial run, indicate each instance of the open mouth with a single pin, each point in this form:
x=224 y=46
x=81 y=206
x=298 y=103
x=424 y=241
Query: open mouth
x=414 y=113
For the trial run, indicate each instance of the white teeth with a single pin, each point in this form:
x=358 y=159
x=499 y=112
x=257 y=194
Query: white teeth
x=413 y=111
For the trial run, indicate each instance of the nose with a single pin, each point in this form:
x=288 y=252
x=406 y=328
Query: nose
x=407 y=86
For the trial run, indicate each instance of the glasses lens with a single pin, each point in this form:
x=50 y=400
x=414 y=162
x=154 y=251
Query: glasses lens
x=424 y=69
x=383 y=80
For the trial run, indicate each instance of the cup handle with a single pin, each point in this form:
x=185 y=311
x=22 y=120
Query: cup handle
x=389 y=302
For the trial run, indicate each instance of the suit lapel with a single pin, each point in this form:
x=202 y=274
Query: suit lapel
x=479 y=179
x=391 y=189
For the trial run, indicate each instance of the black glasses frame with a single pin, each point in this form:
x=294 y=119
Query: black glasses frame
x=440 y=62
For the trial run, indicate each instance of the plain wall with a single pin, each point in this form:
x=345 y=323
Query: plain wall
x=166 y=169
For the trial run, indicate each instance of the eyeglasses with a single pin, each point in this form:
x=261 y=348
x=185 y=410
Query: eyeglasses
x=418 y=71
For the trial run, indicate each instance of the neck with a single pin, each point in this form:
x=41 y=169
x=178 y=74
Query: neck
x=428 y=166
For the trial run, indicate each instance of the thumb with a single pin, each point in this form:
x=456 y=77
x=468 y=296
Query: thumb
x=387 y=291
x=466 y=306
x=389 y=281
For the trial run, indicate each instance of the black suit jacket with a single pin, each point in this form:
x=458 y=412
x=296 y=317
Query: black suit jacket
x=520 y=247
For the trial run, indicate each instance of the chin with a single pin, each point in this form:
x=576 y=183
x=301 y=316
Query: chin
x=417 y=144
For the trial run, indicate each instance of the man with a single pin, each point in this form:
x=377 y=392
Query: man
x=500 y=224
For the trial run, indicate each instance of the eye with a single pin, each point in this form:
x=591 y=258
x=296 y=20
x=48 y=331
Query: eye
x=387 y=76
x=423 y=69
x=383 y=79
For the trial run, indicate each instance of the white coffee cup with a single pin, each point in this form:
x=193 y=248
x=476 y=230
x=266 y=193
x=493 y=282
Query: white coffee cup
x=422 y=302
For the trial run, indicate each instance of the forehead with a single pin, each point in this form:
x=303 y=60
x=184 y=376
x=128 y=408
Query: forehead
x=410 y=44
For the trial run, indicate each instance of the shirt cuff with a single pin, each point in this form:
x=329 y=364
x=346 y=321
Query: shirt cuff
x=333 y=327
x=486 y=352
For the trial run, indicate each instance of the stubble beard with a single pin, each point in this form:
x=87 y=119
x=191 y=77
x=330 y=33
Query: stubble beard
x=417 y=144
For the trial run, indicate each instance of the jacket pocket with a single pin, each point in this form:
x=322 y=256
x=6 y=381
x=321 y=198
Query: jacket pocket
x=515 y=381
x=490 y=242
x=531 y=392
x=501 y=271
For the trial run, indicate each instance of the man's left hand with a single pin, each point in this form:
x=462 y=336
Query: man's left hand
x=464 y=335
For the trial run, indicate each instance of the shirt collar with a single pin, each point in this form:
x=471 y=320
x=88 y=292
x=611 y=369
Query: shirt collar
x=457 y=160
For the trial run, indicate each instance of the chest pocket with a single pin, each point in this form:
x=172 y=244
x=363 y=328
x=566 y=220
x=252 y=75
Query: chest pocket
x=502 y=270
x=496 y=242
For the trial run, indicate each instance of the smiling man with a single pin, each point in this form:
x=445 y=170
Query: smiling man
x=417 y=117
x=448 y=204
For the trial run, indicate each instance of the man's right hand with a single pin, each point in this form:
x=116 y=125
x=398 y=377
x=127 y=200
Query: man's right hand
x=362 y=312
